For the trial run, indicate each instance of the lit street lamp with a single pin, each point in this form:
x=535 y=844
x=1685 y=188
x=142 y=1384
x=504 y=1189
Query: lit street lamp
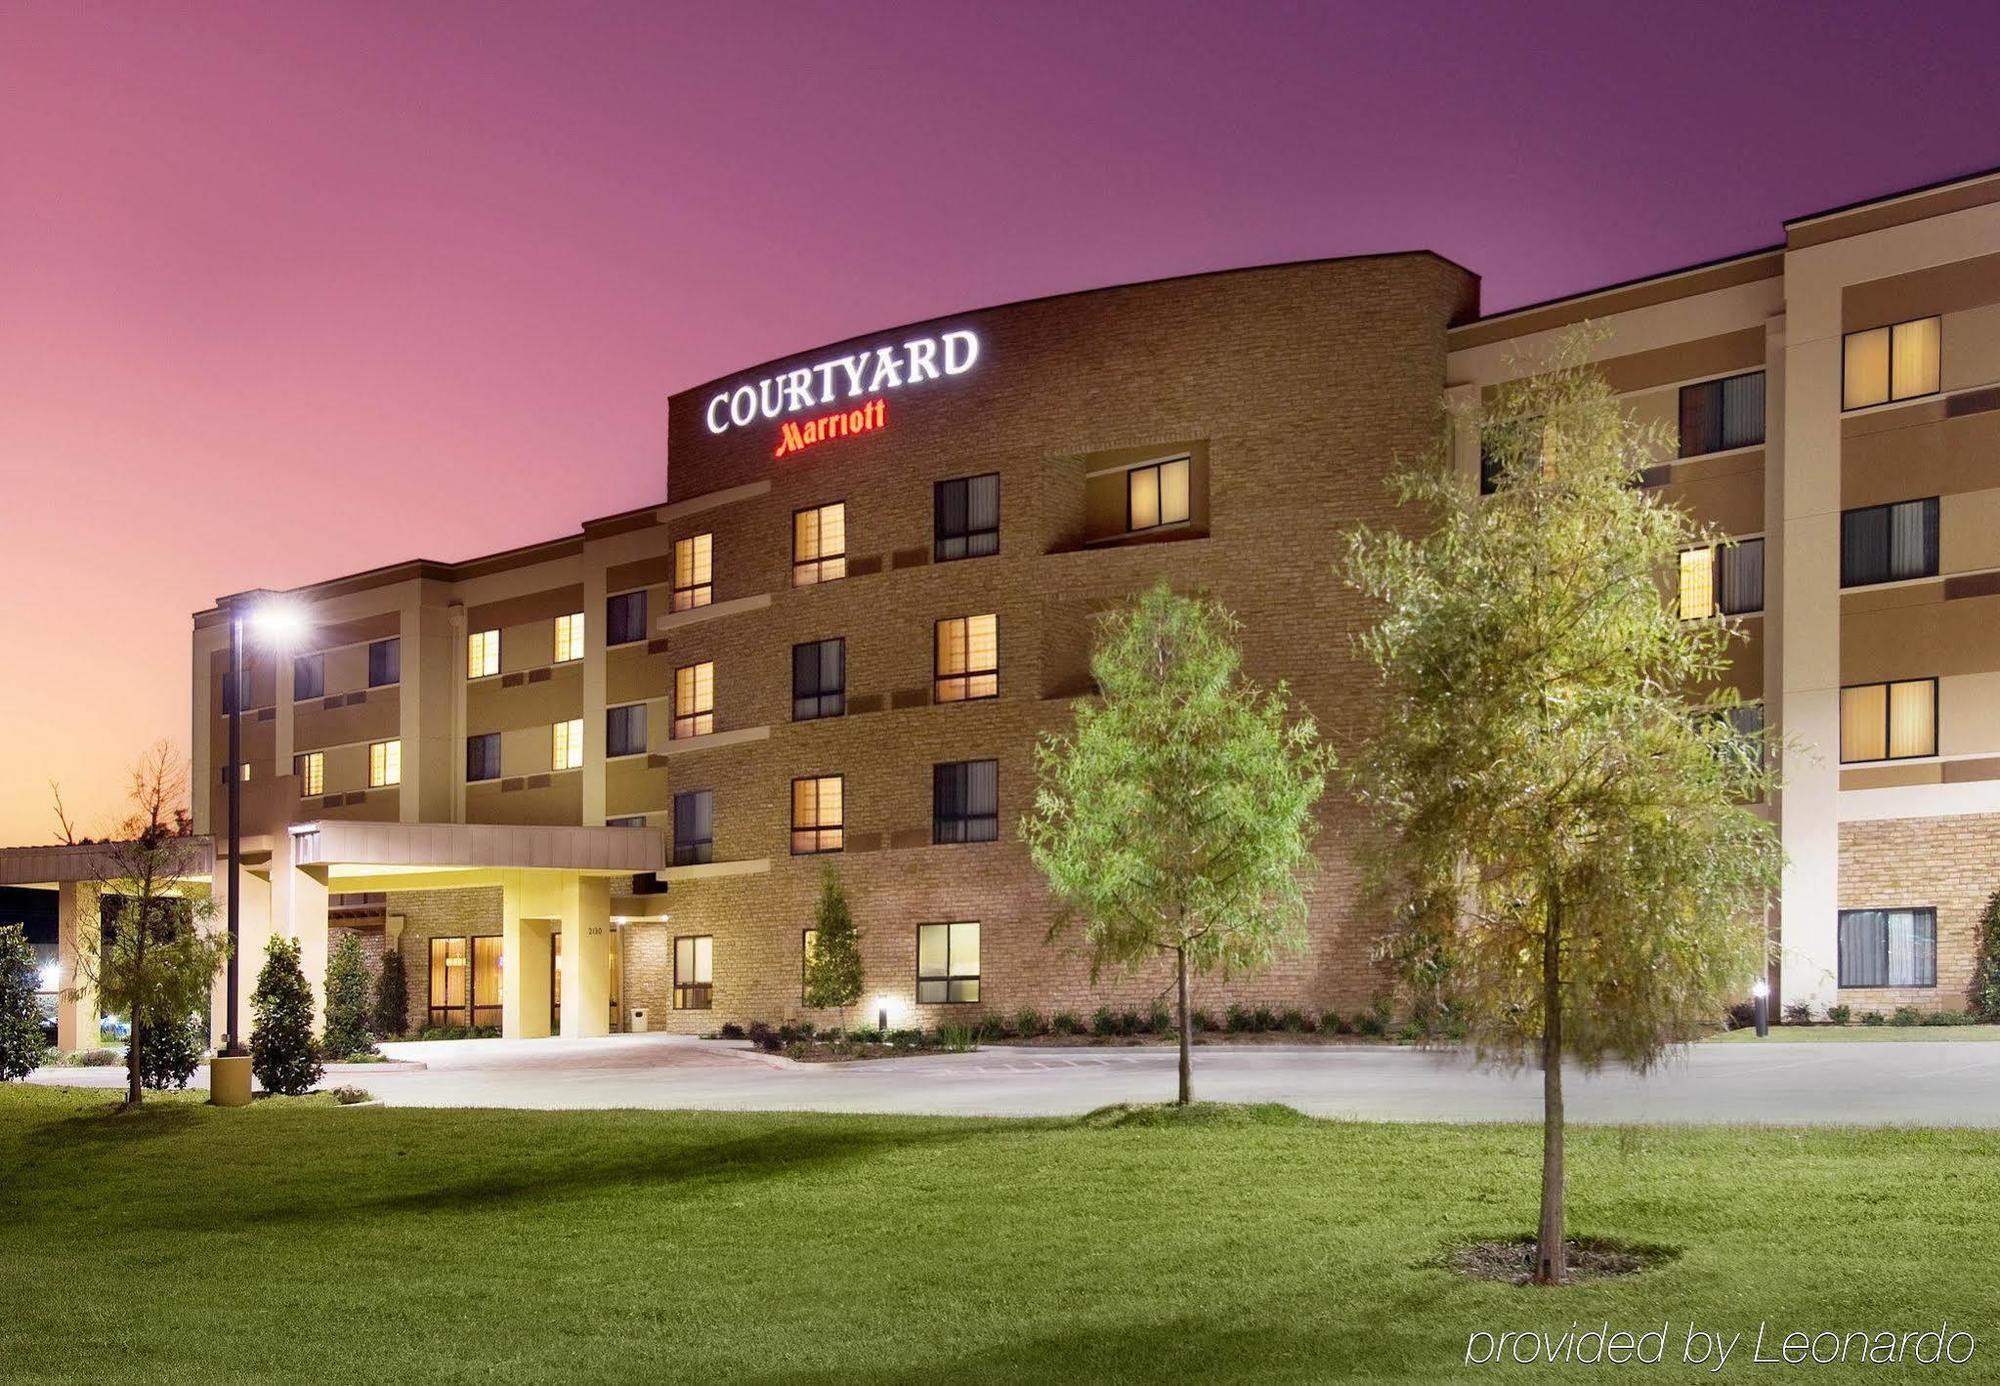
x=1762 y=992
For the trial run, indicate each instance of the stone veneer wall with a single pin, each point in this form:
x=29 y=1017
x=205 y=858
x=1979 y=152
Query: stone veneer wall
x=1950 y=864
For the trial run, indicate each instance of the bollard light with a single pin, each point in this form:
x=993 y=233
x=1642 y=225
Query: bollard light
x=1762 y=992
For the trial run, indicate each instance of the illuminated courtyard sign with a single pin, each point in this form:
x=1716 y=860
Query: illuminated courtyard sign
x=834 y=382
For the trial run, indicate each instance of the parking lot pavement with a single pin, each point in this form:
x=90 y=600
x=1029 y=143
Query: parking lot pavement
x=1928 y=1084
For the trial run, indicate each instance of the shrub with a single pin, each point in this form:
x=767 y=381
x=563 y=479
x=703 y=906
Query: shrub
x=1741 y=1016
x=957 y=1039
x=1028 y=1023
x=1203 y=1021
x=992 y=1027
x=169 y=1054
x=1949 y=1018
x=1262 y=1019
x=348 y=1096
x=1371 y=1023
x=87 y=1058
x=1798 y=1013
x=1293 y=1021
x=731 y=1030
x=771 y=1042
x=1332 y=1022
x=1906 y=1015
x=284 y=1054
x=1065 y=1023
x=1382 y=1007
x=392 y=997
x=1104 y=1022
x=1839 y=1015
x=1131 y=1023
x=758 y=1030
x=22 y=1047
x=1160 y=1020
x=347 y=999
x=1410 y=1032
x=1238 y=1019
x=1874 y=1018
x=1986 y=966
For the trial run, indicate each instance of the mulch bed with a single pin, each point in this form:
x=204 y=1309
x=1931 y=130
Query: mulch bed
x=1512 y=1259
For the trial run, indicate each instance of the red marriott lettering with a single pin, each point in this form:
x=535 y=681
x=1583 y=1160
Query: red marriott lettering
x=794 y=437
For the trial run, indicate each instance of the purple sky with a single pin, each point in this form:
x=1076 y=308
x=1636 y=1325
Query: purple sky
x=292 y=290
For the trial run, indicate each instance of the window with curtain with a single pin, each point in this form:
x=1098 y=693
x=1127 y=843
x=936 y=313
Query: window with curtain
x=625 y=730
x=1157 y=494
x=626 y=820
x=482 y=757
x=1728 y=578
x=1888 y=721
x=968 y=517
x=694 y=571
x=1697 y=584
x=450 y=977
x=569 y=637
x=819 y=544
x=819 y=680
x=947 y=963
x=308 y=677
x=694 y=972
x=385 y=662
x=1888 y=948
x=694 y=699
x=1884 y=364
x=482 y=654
x=310 y=767
x=694 y=827
x=1889 y=543
x=965 y=801
x=385 y=764
x=1717 y=415
x=818 y=814
x=486 y=981
x=566 y=745
x=625 y=618
x=968 y=659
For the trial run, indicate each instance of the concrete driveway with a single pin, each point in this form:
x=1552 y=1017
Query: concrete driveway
x=1928 y=1084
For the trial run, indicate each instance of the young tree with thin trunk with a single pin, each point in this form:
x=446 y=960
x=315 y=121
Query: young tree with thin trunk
x=154 y=960
x=1572 y=856
x=1176 y=821
x=833 y=971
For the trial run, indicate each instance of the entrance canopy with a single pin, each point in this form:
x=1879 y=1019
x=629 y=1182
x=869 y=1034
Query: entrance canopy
x=348 y=849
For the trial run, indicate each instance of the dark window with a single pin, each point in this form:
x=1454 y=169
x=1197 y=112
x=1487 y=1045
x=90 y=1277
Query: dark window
x=385 y=663
x=1888 y=543
x=629 y=820
x=1717 y=415
x=947 y=963
x=694 y=972
x=625 y=618
x=228 y=686
x=308 y=677
x=694 y=827
x=968 y=517
x=625 y=730
x=819 y=680
x=1500 y=439
x=1888 y=948
x=482 y=757
x=965 y=801
x=1739 y=574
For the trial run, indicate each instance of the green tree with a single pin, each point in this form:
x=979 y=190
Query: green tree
x=392 y=995
x=347 y=999
x=284 y=1055
x=1572 y=858
x=173 y=1053
x=1986 y=968
x=833 y=972
x=1177 y=818
x=154 y=958
x=22 y=1046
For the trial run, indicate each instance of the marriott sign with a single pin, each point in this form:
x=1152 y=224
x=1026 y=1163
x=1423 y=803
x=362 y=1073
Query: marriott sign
x=842 y=378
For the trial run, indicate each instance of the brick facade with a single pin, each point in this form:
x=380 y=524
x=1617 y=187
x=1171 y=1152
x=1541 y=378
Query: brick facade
x=1949 y=864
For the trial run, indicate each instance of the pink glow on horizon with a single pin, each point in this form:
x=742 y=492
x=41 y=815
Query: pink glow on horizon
x=291 y=291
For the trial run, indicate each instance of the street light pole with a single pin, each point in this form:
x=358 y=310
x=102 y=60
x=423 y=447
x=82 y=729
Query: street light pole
x=232 y=1034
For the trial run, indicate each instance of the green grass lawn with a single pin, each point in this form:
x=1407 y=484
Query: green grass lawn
x=302 y=1241
x=1864 y=1034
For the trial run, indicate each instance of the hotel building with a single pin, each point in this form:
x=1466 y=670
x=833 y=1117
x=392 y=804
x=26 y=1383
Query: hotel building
x=593 y=783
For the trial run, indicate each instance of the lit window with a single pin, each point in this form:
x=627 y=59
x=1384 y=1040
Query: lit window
x=819 y=544
x=1890 y=363
x=819 y=680
x=448 y=987
x=1697 y=583
x=817 y=815
x=967 y=523
x=310 y=767
x=569 y=637
x=968 y=658
x=694 y=972
x=567 y=745
x=625 y=730
x=694 y=827
x=694 y=699
x=1888 y=721
x=482 y=654
x=965 y=801
x=385 y=764
x=1717 y=415
x=482 y=757
x=1889 y=543
x=694 y=571
x=1888 y=948
x=947 y=963
x=1157 y=494
x=625 y=618
x=1728 y=578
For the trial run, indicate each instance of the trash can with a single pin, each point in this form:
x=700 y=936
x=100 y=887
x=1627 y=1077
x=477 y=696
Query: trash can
x=638 y=1020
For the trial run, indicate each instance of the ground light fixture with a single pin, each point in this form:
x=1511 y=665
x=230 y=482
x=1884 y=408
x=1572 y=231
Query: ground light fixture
x=279 y=624
x=882 y=1004
x=1762 y=992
